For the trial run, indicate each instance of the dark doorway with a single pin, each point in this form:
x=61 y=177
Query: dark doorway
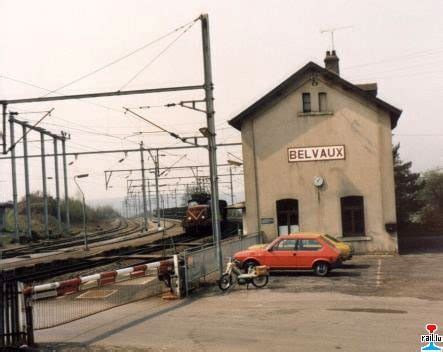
x=287 y=216
x=353 y=216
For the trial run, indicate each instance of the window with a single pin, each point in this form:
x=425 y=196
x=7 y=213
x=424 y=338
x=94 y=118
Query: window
x=352 y=216
x=308 y=245
x=322 y=102
x=285 y=245
x=306 y=102
x=287 y=216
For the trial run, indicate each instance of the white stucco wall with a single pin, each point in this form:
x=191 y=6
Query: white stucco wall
x=367 y=170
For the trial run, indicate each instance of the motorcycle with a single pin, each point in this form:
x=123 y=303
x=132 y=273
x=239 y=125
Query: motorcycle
x=256 y=275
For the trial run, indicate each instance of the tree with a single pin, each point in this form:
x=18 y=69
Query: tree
x=407 y=188
x=432 y=196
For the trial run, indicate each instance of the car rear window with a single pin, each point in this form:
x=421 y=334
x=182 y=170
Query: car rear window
x=308 y=245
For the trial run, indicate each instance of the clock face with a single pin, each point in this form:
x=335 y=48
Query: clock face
x=318 y=181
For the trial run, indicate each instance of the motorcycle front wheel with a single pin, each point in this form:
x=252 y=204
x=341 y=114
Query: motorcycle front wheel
x=225 y=282
x=260 y=281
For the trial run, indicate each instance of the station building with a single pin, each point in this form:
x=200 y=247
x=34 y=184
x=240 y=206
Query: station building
x=317 y=154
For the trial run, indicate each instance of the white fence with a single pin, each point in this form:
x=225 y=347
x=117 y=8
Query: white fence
x=201 y=262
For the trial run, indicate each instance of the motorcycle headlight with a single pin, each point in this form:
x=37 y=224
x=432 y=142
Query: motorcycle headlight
x=189 y=218
x=203 y=217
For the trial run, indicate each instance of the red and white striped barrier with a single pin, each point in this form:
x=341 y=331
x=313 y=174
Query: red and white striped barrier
x=82 y=283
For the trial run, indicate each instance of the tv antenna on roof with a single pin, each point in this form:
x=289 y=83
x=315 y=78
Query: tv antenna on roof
x=332 y=30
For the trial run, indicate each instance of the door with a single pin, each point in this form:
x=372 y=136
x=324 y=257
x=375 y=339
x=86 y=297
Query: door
x=287 y=216
x=307 y=251
x=282 y=255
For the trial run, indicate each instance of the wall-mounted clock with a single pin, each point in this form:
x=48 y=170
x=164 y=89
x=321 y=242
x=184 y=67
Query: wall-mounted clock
x=318 y=181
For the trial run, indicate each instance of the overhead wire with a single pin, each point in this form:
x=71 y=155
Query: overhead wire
x=94 y=132
x=158 y=55
x=48 y=113
x=396 y=58
x=172 y=134
x=187 y=26
x=113 y=62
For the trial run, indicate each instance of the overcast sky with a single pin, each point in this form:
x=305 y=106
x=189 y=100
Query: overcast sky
x=255 y=45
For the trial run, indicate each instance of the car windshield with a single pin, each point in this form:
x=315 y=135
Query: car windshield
x=329 y=240
x=285 y=245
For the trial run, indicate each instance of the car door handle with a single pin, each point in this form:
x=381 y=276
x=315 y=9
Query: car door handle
x=294 y=254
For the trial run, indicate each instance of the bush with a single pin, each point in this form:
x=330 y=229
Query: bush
x=93 y=214
x=432 y=195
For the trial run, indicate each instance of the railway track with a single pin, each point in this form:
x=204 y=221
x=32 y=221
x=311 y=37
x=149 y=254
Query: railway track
x=123 y=228
x=41 y=271
x=54 y=269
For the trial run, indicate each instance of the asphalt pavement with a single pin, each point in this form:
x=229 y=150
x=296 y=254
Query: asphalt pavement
x=373 y=303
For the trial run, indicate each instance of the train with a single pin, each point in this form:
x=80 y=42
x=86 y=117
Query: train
x=198 y=216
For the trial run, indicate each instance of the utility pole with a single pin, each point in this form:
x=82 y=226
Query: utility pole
x=14 y=173
x=65 y=176
x=57 y=187
x=27 y=191
x=137 y=204
x=149 y=199
x=232 y=187
x=145 y=215
x=212 y=146
x=157 y=174
x=85 y=230
x=45 y=192
x=4 y=113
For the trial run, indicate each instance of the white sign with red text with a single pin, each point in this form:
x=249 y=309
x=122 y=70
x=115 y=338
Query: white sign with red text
x=330 y=152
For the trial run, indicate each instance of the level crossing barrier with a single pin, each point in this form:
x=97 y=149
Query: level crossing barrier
x=57 y=303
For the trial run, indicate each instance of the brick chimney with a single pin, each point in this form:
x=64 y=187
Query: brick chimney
x=331 y=62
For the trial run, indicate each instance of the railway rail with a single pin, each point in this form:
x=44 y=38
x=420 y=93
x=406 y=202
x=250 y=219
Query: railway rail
x=51 y=270
x=106 y=253
x=124 y=227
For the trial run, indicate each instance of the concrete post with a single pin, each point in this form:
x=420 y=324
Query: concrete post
x=4 y=113
x=157 y=174
x=27 y=190
x=145 y=214
x=65 y=176
x=57 y=187
x=14 y=175
x=149 y=199
x=45 y=191
x=212 y=145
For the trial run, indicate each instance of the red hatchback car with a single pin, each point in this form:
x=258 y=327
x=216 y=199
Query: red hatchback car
x=305 y=251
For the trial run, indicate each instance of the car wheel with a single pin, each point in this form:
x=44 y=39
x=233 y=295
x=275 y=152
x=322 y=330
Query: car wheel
x=321 y=269
x=250 y=264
